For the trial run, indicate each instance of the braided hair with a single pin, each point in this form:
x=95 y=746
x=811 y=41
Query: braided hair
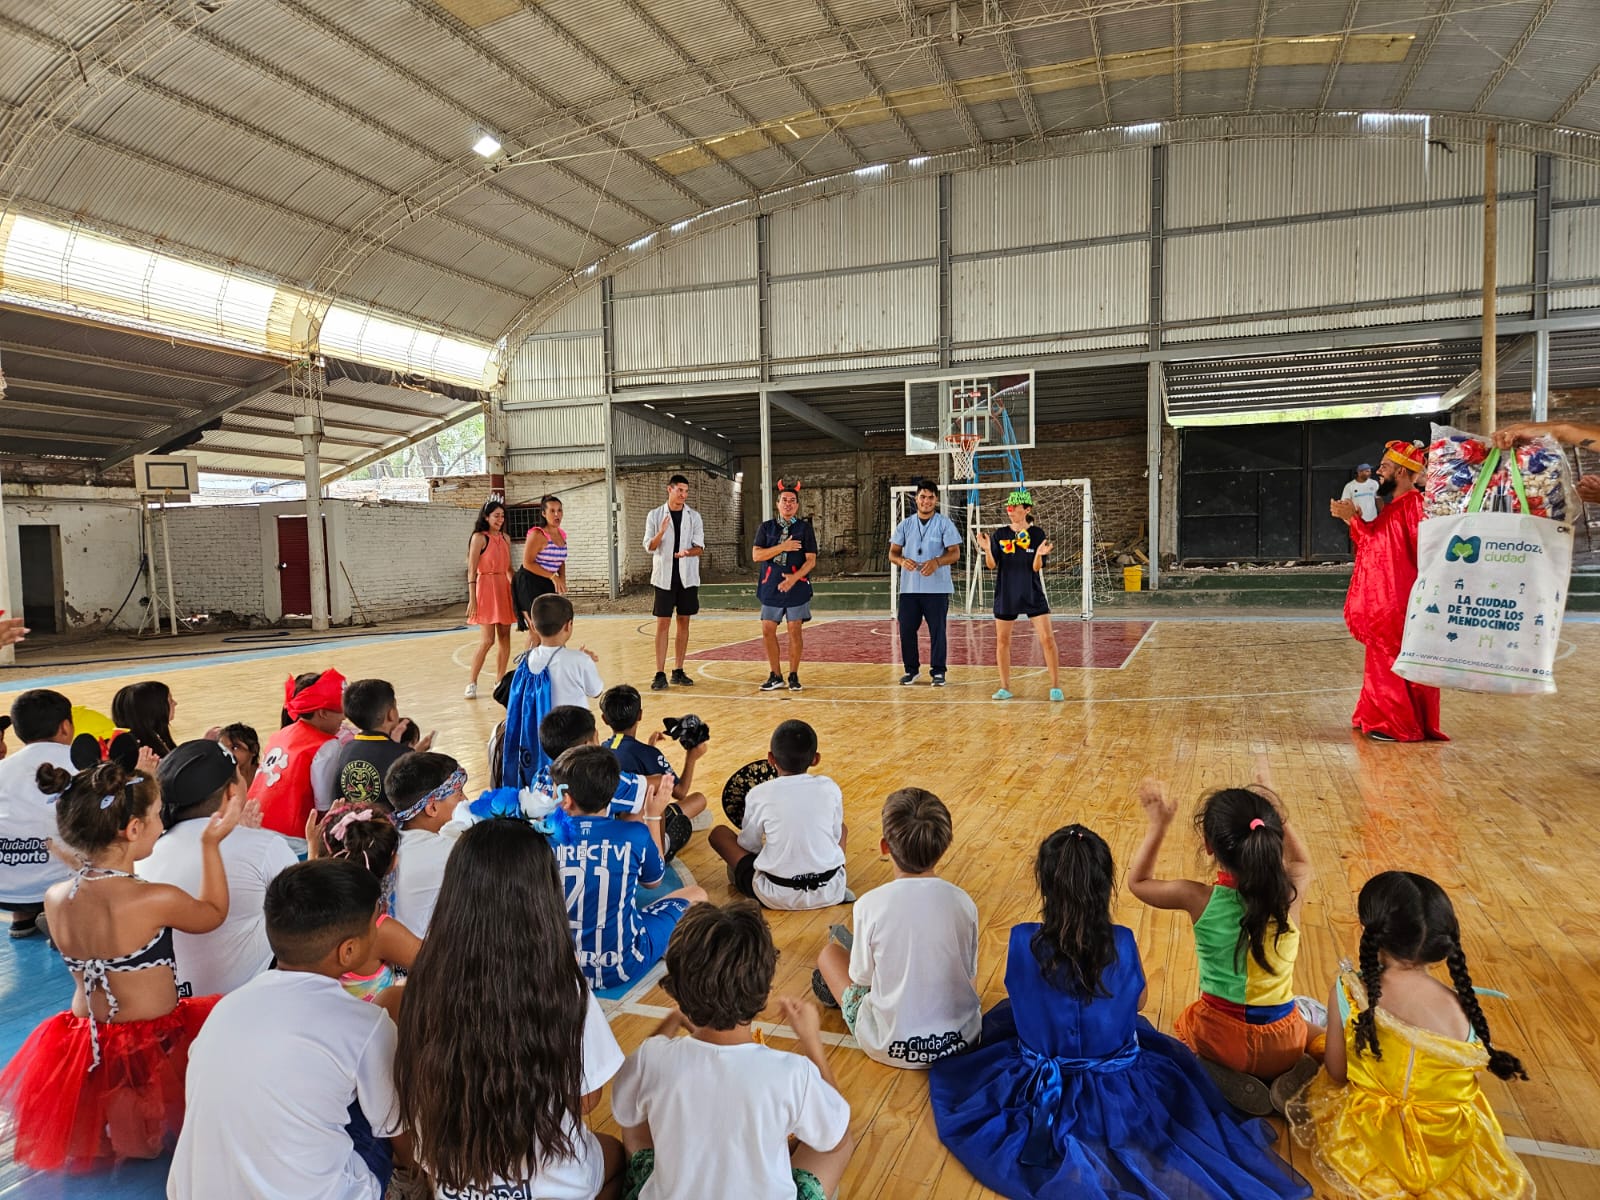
x=1409 y=917
x=363 y=833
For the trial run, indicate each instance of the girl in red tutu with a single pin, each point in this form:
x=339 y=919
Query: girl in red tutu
x=104 y=1081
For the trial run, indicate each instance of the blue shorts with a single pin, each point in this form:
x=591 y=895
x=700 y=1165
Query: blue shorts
x=659 y=920
x=794 y=612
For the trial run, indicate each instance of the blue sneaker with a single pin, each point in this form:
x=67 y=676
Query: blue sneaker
x=1002 y=694
x=1057 y=694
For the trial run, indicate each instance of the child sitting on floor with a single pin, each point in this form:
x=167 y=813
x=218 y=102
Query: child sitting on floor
x=1246 y=1025
x=553 y=674
x=604 y=861
x=790 y=851
x=720 y=964
x=569 y=725
x=1398 y=1110
x=498 y=1064
x=363 y=762
x=905 y=980
x=621 y=708
x=291 y=1084
x=424 y=789
x=104 y=1081
x=1072 y=1092
x=364 y=834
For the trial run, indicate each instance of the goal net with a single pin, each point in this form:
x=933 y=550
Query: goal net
x=1063 y=508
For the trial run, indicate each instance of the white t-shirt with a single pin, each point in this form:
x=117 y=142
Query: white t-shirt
x=916 y=947
x=792 y=824
x=1366 y=497
x=574 y=678
x=418 y=874
x=236 y=951
x=271 y=1078
x=579 y=1178
x=27 y=818
x=756 y=1096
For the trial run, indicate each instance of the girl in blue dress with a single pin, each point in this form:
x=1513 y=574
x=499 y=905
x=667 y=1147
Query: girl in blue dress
x=1071 y=1093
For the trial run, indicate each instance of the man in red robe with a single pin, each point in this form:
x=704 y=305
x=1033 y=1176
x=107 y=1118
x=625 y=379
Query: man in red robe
x=1391 y=709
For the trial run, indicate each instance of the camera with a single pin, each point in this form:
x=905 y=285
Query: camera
x=688 y=730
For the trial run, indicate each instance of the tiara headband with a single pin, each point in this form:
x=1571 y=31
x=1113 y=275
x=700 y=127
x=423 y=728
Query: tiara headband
x=456 y=780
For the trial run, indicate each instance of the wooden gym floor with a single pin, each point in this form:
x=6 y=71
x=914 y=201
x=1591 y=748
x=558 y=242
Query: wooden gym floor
x=1503 y=816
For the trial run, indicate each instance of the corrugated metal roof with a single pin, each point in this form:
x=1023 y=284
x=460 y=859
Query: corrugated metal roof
x=82 y=392
x=327 y=142
x=1324 y=379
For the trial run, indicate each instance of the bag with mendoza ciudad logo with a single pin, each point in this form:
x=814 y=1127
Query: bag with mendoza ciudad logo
x=1485 y=614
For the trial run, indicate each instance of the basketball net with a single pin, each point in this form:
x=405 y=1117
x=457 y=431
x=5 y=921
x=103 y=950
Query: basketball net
x=963 y=448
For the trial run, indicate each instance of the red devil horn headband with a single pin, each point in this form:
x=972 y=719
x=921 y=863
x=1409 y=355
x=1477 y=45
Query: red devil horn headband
x=789 y=487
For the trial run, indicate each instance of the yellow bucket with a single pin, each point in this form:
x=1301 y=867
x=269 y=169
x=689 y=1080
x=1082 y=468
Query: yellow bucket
x=1132 y=579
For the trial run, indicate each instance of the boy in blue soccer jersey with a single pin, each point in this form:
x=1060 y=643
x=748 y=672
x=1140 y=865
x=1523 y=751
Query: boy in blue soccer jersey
x=604 y=860
x=621 y=707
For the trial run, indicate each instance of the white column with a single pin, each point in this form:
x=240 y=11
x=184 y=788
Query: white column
x=310 y=430
x=8 y=654
x=1154 y=420
x=767 y=483
x=1541 y=375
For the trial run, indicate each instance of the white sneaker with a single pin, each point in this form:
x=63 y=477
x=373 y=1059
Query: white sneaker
x=472 y=690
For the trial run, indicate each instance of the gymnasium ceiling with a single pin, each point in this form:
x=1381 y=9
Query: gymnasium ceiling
x=328 y=142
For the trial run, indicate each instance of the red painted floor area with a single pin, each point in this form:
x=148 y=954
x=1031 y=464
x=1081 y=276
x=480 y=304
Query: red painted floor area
x=1106 y=645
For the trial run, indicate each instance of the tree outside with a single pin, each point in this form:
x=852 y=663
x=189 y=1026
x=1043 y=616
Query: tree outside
x=454 y=451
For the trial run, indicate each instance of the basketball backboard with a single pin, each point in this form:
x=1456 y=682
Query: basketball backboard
x=996 y=409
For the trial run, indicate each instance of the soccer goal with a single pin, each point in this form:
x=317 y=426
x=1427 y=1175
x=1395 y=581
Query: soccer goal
x=1063 y=508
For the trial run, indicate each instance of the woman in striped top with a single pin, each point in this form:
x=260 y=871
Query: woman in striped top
x=544 y=562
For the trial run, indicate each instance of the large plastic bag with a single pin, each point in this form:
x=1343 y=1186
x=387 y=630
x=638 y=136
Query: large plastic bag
x=1485 y=612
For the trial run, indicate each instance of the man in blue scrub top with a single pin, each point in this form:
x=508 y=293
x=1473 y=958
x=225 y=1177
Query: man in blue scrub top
x=924 y=546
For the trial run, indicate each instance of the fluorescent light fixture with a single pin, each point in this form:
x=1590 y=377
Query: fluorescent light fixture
x=487 y=145
x=872 y=169
x=918 y=161
x=1383 y=118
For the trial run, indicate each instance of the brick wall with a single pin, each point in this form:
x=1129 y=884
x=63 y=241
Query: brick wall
x=1111 y=454
x=404 y=559
x=583 y=517
x=717 y=500
x=217 y=557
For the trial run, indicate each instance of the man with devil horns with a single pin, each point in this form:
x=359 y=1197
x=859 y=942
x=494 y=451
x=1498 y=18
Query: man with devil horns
x=313 y=710
x=1391 y=709
x=785 y=550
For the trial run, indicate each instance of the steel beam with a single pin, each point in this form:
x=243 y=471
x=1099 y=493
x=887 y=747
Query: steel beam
x=1541 y=375
x=383 y=452
x=1154 y=421
x=199 y=420
x=818 y=420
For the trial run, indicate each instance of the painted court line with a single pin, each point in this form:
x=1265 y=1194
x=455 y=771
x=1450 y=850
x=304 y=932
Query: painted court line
x=1538 y=1149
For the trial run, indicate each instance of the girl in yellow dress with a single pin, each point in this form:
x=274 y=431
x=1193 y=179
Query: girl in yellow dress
x=1397 y=1110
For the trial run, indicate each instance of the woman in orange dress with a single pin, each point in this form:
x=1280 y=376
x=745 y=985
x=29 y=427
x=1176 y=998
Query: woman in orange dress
x=489 y=591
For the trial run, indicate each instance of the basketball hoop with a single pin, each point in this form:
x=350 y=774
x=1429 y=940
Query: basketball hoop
x=963 y=447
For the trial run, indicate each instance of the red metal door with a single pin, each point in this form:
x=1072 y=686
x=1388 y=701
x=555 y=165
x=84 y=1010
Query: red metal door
x=294 y=566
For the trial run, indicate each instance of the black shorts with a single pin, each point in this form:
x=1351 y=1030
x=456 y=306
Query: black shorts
x=1030 y=611
x=526 y=587
x=686 y=600
x=744 y=876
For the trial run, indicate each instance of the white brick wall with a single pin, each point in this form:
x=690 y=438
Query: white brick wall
x=404 y=559
x=583 y=517
x=217 y=560
x=716 y=500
